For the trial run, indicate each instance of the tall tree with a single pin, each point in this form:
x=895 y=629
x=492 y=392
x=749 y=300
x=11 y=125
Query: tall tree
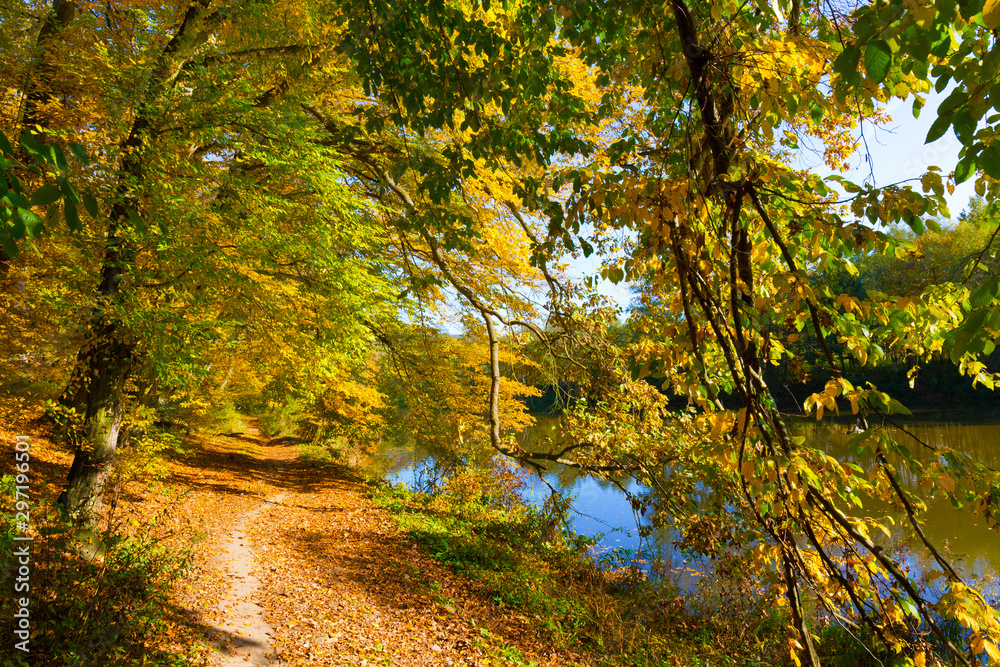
x=728 y=231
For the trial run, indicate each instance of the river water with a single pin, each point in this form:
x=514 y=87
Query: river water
x=602 y=511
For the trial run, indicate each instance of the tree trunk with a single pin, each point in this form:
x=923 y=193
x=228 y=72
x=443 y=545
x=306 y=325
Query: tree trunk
x=108 y=364
x=97 y=387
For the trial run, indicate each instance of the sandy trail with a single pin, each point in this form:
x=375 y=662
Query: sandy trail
x=301 y=569
x=245 y=637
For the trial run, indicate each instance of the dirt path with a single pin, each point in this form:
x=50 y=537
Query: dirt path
x=244 y=636
x=299 y=568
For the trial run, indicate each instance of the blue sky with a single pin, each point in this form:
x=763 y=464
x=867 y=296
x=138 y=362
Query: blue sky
x=896 y=152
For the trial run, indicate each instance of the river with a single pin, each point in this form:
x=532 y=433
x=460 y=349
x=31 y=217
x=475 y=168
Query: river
x=601 y=510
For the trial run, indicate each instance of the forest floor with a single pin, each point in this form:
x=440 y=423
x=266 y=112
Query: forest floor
x=328 y=578
x=238 y=549
x=292 y=564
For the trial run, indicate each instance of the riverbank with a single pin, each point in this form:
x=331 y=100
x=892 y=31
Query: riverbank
x=237 y=548
x=522 y=555
x=534 y=568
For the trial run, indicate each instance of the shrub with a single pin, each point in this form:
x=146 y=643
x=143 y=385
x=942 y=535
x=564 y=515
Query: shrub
x=97 y=598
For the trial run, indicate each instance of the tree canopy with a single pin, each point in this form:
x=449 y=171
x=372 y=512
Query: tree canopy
x=281 y=196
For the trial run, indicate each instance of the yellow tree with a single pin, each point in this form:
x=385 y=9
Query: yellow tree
x=728 y=232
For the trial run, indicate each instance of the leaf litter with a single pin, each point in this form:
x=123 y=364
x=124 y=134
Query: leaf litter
x=338 y=583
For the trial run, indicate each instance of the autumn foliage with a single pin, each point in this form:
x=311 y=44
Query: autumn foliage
x=360 y=219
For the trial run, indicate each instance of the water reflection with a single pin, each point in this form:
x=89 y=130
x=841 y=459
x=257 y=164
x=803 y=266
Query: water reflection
x=961 y=534
x=602 y=511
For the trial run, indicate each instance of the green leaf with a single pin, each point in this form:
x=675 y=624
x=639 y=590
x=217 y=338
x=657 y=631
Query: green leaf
x=989 y=160
x=90 y=204
x=81 y=154
x=140 y=224
x=5 y=144
x=878 y=59
x=916 y=223
x=16 y=199
x=26 y=223
x=815 y=112
x=965 y=125
x=985 y=293
x=938 y=128
x=33 y=225
x=52 y=215
x=846 y=63
x=966 y=332
x=9 y=246
x=970 y=8
x=72 y=216
x=59 y=158
x=964 y=169
x=956 y=100
x=34 y=146
x=68 y=190
x=897 y=407
x=46 y=195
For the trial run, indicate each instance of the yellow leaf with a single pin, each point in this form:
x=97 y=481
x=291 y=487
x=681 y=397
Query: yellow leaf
x=991 y=14
x=993 y=650
x=920 y=659
x=721 y=422
x=747 y=469
x=947 y=482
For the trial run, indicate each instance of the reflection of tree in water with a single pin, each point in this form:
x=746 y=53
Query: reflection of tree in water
x=976 y=549
x=599 y=505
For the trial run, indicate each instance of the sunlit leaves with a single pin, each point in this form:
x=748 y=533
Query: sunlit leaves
x=878 y=58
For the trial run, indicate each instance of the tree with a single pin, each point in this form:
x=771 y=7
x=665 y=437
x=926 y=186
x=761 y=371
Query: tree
x=182 y=184
x=250 y=199
x=389 y=159
x=729 y=233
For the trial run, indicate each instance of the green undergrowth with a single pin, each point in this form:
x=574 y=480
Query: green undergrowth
x=528 y=562
x=523 y=560
x=331 y=450
x=95 y=597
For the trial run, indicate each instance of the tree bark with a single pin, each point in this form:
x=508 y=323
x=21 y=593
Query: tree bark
x=97 y=387
x=39 y=89
x=108 y=363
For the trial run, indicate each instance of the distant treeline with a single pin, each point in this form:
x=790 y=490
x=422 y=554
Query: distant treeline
x=938 y=385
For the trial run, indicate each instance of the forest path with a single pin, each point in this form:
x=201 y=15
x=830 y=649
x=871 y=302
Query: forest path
x=300 y=568
x=244 y=636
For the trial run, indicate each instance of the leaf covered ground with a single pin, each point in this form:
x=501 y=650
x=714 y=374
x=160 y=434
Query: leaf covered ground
x=339 y=584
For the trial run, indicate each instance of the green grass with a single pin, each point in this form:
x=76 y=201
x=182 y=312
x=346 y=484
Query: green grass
x=512 y=556
x=110 y=610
